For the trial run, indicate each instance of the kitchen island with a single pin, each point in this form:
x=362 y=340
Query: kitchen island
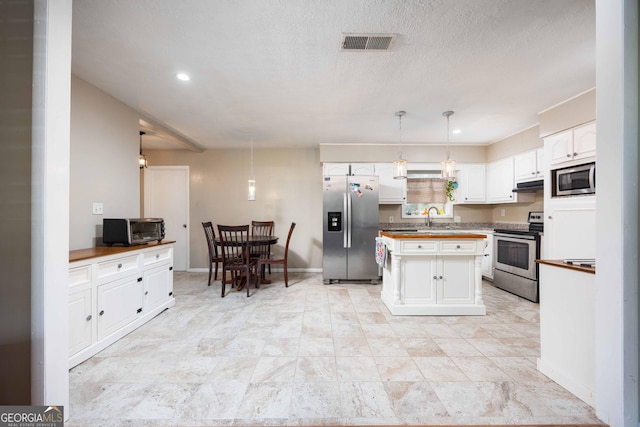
x=433 y=272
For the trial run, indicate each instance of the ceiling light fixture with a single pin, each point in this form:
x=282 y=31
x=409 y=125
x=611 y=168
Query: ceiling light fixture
x=142 y=160
x=400 y=164
x=448 y=165
x=183 y=76
x=252 y=180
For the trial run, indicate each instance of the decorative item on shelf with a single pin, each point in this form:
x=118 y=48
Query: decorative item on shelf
x=448 y=165
x=451 y=186
x=142 y=160
x=252 y=180
x=400 y=164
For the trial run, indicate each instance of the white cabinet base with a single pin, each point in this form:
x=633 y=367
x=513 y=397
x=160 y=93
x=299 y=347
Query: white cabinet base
x=433 y=277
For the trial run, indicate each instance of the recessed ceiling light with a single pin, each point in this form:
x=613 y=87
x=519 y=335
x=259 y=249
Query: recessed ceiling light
x=183 y=76
x=456 y=131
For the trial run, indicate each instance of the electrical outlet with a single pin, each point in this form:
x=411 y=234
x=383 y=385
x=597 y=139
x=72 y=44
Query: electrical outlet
x=391 y=220
x=503 y=212
x=98 y=208
x=456 y=218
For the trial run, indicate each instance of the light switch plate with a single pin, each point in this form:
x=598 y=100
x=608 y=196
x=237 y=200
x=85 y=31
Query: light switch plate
x=391 y=220
x=98 y=208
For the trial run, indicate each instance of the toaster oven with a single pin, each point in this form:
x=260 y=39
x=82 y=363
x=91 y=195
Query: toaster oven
x=132 y=231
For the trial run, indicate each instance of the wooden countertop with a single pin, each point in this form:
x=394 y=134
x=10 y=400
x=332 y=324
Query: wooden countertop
x=562 y=264
x=435 y=235
x=82 y=254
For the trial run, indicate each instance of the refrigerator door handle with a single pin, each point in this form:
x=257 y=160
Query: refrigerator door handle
x=345 y=220
x=348 y=220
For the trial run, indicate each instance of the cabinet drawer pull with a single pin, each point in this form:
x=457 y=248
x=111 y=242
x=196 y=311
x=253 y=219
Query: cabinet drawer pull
x=89 y=318
x=146 y=293
x=139 y=279
x=101 y=312
x=457 y=246
x=139 y=310
x=419 y=246
x=157 y=256
x=119 y=266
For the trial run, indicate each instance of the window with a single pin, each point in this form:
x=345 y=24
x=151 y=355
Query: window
x=426 y=189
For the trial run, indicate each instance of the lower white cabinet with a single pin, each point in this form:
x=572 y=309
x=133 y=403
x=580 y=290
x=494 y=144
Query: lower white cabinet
x=114 y=291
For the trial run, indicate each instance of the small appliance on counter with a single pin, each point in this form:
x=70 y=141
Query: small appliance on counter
x=132 y=231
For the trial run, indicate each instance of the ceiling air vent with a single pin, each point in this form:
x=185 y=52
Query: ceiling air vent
x=363 y=42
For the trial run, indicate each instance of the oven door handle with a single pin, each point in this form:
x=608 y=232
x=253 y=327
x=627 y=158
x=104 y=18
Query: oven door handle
x=515 y=236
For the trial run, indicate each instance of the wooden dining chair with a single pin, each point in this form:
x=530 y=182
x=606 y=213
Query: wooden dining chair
x=236 y=257
x=279 y=260
x=214 y=257
x=261 y=228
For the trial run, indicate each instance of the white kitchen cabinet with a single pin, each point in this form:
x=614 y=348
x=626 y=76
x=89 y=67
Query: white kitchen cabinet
x=572 y=146
x=391 y=191
x=487 y=259
x=472 y=183
x=570 y=228
x=80 y=319
x=500 y=181
x=119 y=303
x=433 y=276
x=114 y=291
x=366 y=169
x=529 y=166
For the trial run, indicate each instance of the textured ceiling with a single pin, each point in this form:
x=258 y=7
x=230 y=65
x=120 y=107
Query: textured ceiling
x=273 y=70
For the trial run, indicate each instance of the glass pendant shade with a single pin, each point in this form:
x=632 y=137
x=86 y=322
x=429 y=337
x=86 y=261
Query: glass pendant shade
x=400 y=164
x=448 y=168
x=400 y=168
x=252 y=189
x=251 y=195
x=142 y=160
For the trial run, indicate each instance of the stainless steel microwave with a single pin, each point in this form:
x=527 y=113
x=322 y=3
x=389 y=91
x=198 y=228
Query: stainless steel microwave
x=575 y=180
x=132 y=231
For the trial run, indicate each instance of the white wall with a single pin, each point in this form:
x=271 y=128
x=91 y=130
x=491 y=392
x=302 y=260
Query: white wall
x=616 y=294
x=104 y=162
x=288 y=189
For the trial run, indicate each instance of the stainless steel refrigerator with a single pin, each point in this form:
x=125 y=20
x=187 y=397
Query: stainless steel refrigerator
x=350 y=228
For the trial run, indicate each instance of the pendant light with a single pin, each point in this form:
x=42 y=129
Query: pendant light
x=448 y=165
x=142 y=160
x=252 y=180
x=400 y=164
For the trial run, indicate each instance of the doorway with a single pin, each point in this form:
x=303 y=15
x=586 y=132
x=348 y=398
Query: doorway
x=166 y=195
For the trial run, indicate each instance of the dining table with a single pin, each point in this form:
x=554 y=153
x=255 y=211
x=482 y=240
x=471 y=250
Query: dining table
x=253 y=241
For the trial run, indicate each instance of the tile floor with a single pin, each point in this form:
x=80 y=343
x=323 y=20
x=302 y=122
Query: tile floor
x=315 y=354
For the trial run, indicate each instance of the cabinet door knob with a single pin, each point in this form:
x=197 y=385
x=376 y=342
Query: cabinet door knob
x=533 y=173
x=119 y=266
x=440 y=277
x=146 y=293
x=101 y=312
x=435 y=277
x=568 y=155
x=575 y=154
x=89 y=318
x=157 y=256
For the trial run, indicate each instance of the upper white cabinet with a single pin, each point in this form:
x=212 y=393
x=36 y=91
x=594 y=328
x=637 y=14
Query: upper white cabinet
x=571 y=145
x=528 y=166
x=500 y=181
x=343 y=169
x=391 y=191
x=472 y=183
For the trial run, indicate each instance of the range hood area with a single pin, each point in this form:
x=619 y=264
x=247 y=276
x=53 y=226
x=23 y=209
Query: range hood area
x=530 y=186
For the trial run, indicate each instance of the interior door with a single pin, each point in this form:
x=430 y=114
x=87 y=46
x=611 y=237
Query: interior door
x=166 y=195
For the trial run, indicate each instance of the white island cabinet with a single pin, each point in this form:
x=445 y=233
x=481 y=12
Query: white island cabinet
x=433 y=273
x=114 y=290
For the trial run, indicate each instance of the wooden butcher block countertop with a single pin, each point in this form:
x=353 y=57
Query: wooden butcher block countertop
x=437 y=234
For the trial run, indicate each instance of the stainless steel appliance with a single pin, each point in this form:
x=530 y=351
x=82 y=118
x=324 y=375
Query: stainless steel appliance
x=350 y=227
x=575 y=180
x=515 y=252
x=132 y=231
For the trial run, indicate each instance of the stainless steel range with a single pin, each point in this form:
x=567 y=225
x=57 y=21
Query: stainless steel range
x=515 y=252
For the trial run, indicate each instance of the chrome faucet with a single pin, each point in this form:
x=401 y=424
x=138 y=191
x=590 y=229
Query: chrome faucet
x=429 y=215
